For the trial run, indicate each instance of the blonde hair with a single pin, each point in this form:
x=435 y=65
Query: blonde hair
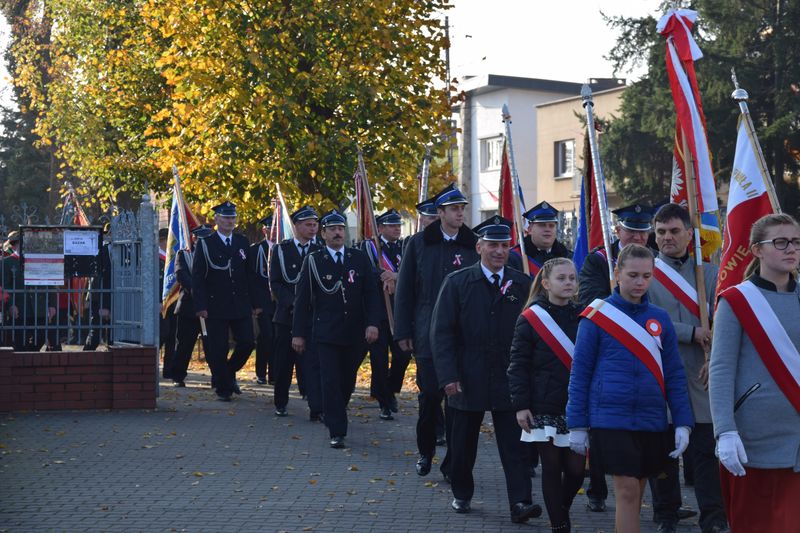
x=759 y=233
x=537 y=287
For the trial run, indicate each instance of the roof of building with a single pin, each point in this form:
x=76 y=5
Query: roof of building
x=574 y=98
x=492 y=82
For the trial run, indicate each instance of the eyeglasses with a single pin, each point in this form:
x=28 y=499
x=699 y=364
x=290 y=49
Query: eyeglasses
x=782 y=243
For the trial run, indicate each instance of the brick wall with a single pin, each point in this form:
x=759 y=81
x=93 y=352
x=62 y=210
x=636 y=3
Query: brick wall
x=122 y=378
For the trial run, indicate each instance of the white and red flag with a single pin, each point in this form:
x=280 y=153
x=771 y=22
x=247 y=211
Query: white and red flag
x=505 y=199
x=748 y=200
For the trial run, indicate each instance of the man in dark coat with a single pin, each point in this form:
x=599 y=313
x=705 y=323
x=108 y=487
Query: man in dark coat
x=100 y=298
x=471 y=334
x=336 y=308
x=227 y=297
x=265 y=339
x=386 y=383
x=442 y=247
x=540 y=242
x=188 y=325
x=633 y=226
x=284 y=273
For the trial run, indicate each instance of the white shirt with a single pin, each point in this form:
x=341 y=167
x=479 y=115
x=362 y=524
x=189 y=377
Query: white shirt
x=333 y=253
x=298 y=245
x=448 y=238
x=223 y=237
x=488 y=273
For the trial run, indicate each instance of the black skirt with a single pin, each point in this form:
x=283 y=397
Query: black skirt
x=639 y=454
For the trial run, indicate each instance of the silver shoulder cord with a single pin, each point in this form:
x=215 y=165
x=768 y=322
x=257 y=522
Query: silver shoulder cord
x=312 y=264
x=188 y=257
x=261 y=261
x=209 y=262
x=281 y=262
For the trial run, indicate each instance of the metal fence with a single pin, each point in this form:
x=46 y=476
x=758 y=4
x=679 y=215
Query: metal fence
x=118 y=304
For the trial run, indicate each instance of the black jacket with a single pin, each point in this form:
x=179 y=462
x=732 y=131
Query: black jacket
x=426 y=262
x=593 y=281
x=284 y=272
x=226 y=292
x=394 y=253
x=341 y=317
x=540 y=256
x=536 y=376
x=259 y=259
x=471 y=334
x=183 y=273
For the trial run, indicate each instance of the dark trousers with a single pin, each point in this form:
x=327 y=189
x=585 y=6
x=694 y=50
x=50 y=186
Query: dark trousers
x=286 y=362
x=464 y=450
x=379 y=365
x=706 y=476
x=666 y=491
x=397 y=372
x=223 y=369
x=309 y=362
x=167 y=334
x=93 y=337
x=597 y=489
x=187 y=330
x=265 y=348
x=338 y=367
x=430 y=405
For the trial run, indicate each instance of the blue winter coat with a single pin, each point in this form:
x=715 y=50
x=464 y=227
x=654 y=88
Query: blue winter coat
x=610 y=388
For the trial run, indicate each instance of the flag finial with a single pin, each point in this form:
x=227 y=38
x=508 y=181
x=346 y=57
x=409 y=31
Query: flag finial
x=739 y=94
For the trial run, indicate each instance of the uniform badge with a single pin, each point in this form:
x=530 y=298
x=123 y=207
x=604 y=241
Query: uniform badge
x=505 y=287
x=328 y=277
x=653 y=327
x=457 y=260
x=351 y=276
x=244 y=255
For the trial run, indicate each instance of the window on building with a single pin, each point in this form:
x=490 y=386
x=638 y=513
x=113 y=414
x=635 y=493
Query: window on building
x=564 y=152
x=491 y=153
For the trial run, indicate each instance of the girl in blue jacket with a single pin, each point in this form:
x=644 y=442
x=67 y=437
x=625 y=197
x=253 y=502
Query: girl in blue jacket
x=626 y=371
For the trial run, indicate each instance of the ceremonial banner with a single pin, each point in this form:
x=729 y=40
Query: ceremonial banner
x=748 y=201
x=181 y=222
x=506 y=196
x=590 y=226
x=72 y=214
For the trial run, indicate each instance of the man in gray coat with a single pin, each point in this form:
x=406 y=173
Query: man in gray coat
x=672 y=289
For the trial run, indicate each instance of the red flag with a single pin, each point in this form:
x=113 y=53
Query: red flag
x=506 y=195
x=594 y=224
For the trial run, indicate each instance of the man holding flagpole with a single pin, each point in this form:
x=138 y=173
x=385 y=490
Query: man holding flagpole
x=541 y=243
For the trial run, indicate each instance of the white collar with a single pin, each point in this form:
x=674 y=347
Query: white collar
x=333 y=252
x=223 y=237
x=448 y=238
x=488 y=273
x=298 y=244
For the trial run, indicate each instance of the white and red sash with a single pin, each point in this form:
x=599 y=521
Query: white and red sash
x=677 y=285
x=550 y=332
x=630 y=334
x=770 y=339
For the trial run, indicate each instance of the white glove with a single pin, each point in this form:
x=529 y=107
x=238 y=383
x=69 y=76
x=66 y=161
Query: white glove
x=730 y=451
x=579 y=441
x=681 y=441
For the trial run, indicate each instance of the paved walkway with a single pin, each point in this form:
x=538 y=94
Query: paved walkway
x=195 y=464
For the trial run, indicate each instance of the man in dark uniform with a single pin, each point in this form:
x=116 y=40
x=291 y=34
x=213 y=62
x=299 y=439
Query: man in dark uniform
x=188 y=325
x=100 y=298
x=284 y=273
x=338 y=309
x=540 y=242
x=167 y=332
x=265 y=340
x=633 y=226
x=471 y=334
x=385 y=382
x=227 y=297
x=442 y=247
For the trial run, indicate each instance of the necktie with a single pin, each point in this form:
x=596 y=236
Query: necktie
x=338 y=258
x=303 y=249
x=227 y=241
x=496 y=281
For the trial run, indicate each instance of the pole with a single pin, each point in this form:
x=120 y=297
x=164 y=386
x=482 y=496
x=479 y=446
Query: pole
x=515 y=190
x=363 y=170
x=423 y=180
x=741 y=96
x=599 y=180
x=697 y=222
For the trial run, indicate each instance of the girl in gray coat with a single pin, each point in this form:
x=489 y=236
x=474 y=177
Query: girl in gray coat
x=755 y=384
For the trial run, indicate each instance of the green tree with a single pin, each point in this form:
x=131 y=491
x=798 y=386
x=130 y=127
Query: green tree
x=760 y=39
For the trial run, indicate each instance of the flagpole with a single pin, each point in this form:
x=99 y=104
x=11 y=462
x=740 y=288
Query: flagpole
x=363 y=170
x=697 y=222
x=741 y=96
x=599 y=180
x=423 y=181
x=515 y=190
x=185 y=228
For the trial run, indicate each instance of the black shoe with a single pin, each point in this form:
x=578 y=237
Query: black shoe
x=337 y=442
x=281 y=411
x=270 y=381
x=685 y=512
x=521 y=512
x=596 y=505
x=315 y=417
x=441 y=441
x=386 y=414
x=532 y=471
x=461 y=506
x=224 y=397
x=423 y=465
x=719 y=528
x=393 y=404
x=261 y=381
x=236 y=388
x=179 y=383
x=667 y=527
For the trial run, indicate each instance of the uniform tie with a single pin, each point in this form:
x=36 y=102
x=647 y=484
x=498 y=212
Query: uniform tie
x=227 y=241
x=338 y=258
x=303 y=249
x=496 y=281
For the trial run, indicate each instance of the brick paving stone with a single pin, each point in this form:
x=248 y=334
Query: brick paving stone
x=195 y=464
